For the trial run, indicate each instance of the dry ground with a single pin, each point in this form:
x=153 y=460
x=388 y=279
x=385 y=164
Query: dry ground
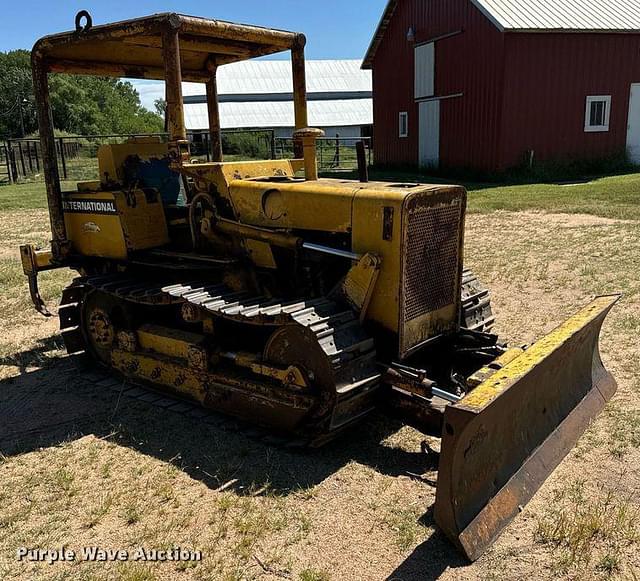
x=81 y=467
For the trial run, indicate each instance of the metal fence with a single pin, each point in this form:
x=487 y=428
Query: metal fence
x=21 y=159
x=334 y=153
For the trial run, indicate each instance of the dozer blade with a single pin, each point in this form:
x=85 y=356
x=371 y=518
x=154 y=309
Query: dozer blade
x=503 y=440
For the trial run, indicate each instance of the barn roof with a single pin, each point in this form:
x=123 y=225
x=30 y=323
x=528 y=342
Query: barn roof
x=569 y=15
x=275 y=76
x=272 y=114
x=541 y=16
x=259 y=93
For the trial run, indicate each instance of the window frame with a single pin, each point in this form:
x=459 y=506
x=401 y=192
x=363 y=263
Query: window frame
x=607 y=114
x=403 y=115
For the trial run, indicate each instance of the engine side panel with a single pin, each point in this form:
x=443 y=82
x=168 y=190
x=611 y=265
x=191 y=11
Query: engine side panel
x=420 y=236
x=111 y=224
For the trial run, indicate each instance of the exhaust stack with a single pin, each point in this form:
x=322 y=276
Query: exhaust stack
x=308 y=136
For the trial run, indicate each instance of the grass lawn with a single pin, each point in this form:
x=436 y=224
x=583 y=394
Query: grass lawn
x=615 y=197
x=611 y=197
x=81 y=465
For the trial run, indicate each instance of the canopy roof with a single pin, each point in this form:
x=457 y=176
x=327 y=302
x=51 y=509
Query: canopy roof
x=133 y=48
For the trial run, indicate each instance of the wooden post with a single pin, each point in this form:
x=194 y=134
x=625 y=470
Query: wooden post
x=363 y=168
x=14 y=164
x=22 y=164
x=207 y=146
x=9 y=174
x=63 y=159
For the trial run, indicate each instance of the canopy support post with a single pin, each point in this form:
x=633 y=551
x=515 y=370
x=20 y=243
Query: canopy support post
x=299 y=91
x=178 y=144
x=59 y=244
x=214 y=115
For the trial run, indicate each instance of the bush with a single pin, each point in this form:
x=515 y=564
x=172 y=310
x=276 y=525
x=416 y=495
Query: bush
x=252 y=145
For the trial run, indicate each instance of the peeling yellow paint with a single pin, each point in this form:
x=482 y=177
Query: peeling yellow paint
x=519 y=367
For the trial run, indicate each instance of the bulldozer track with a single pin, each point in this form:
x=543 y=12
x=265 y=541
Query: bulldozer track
x=131 y=391
x=82 y=370
x=337 y=330
x=351 y=352
x=477 y=314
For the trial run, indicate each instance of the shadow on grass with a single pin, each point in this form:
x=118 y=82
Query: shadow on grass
x=43 y=354
x=51 y=406
x=474 y=182
x=430 y=559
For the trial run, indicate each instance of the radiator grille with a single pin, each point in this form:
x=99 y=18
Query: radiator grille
x=431 y=263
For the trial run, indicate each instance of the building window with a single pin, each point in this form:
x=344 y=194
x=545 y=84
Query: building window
x=404 y=124
x=597 y=114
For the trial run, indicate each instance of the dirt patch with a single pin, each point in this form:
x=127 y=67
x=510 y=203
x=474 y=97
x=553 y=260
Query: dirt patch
x=8 y=253
x=569 y=220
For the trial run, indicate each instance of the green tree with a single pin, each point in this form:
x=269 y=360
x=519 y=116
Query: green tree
x=16 y=94
x=80 y=104
x=161 y=107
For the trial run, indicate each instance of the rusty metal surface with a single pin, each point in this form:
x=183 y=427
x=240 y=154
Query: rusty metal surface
x=431 y=267
x=307 y=137
x=59 y=242
x=346 y=378
x=173 y=83
x=432 y=257
x=299 y=93
x=502 y=441
x=477 y=314
x=213 y=109
x=133 y=48
x=171 y=47
x=426 y=416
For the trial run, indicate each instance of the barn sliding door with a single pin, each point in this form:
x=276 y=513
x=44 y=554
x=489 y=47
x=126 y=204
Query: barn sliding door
x=633 y=128
x=428 y=111
x=425 y=65
x=429 y=133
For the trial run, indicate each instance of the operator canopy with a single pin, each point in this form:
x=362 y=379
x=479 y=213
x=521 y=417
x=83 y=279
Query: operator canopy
x=133 y=48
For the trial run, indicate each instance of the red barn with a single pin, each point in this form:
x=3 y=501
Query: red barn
x=494 y=84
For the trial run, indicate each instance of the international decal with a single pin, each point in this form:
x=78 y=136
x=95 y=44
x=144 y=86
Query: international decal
x=71 y=206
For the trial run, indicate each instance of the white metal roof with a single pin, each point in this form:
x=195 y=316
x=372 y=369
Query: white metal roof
x=539 y=15
x=269 y=76
x=253 y=115
x=339 y=86
x=579 y=15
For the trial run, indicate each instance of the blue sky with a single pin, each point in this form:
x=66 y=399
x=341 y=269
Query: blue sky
x=335 y=29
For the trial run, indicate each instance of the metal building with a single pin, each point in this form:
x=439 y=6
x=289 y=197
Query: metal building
x=258 y=94
x=494 y=84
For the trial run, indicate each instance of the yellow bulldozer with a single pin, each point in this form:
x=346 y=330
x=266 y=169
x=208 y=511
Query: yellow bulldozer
x=298 y=303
